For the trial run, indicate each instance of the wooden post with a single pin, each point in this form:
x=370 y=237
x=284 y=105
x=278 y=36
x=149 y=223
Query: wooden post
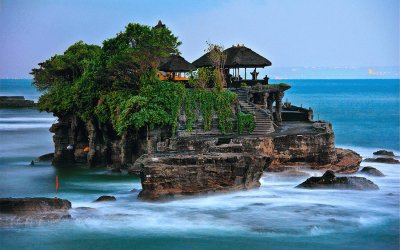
x=245 y=78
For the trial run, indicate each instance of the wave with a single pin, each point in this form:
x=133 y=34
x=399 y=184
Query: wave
x=28 y=119
x=367 y=152
x=21 y=126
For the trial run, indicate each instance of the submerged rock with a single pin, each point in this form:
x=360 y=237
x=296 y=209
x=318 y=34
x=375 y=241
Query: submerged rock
x=371 y=171
x=45 y=157
x=330 y=181
x=384 y=152
x=14 y=211
x=105 y=198
x=388 y=160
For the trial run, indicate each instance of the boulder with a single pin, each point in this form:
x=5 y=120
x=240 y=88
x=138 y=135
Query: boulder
x=14 y=211
x=388 y=160
x=105 y=198
x=371 y=171
x=384 y=152
x=330 y=181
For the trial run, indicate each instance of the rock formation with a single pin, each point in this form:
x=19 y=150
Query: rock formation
x=384 y=152
x=165 y=176
x=105 y=198
x=27 y=210
x=330 y=181
x=15 y=102
x=371 y=171
x=388 y=160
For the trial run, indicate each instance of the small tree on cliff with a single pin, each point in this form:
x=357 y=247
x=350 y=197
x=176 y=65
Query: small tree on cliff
x=218 y=59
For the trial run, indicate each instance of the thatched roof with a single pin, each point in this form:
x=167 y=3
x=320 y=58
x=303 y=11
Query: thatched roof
x=175 y=63
x=236 y=56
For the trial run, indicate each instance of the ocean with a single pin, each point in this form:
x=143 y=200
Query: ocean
x=365 y=117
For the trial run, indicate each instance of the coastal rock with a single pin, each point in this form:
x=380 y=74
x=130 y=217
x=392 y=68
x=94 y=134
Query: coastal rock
x=45 y=157
x=384 y=152
x=388 y=160
x=371 y=171
x=26 y=210
x=346 y=162
x=105 y=198
x=15 y=102
x=175 y=175
x=330 y=181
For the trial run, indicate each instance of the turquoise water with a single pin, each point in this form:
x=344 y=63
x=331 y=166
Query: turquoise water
x=365 y=115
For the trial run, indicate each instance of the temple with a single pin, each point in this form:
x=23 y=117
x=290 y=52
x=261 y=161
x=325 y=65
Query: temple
x=256 y=96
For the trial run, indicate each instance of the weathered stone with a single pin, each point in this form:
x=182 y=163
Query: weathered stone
x=105 y=198
x=33 y=205
x=330 y=181
x=346 y=162
x=171 y=175
x=384 y=152
x=388 y=160
x=371 y=171
x=15 y=211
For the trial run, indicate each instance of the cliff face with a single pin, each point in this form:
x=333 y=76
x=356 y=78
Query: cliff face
x=106 y=148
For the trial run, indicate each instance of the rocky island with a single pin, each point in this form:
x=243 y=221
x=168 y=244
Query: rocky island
x=184 y=128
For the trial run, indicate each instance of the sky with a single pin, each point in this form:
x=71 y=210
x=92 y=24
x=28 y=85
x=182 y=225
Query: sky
x=302 y=39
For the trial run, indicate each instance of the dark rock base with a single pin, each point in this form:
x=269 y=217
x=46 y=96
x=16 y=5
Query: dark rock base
x=330 y=181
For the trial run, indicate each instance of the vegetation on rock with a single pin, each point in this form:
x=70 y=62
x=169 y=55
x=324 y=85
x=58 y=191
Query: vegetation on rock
x=117 y=83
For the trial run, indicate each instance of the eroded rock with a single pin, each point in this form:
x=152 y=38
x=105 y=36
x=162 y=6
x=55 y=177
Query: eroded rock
x=345 y=161
x=388 y=160
x=174 y=175
x=330 y=181
x=384 y=152
x=371 y=171
x=14 y=211
x=105 y=198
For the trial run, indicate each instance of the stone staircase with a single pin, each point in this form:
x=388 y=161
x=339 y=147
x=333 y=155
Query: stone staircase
x=264 y=124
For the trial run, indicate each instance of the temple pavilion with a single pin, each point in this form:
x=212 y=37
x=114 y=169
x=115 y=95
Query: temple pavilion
x=174 y=68
x=239 y=57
